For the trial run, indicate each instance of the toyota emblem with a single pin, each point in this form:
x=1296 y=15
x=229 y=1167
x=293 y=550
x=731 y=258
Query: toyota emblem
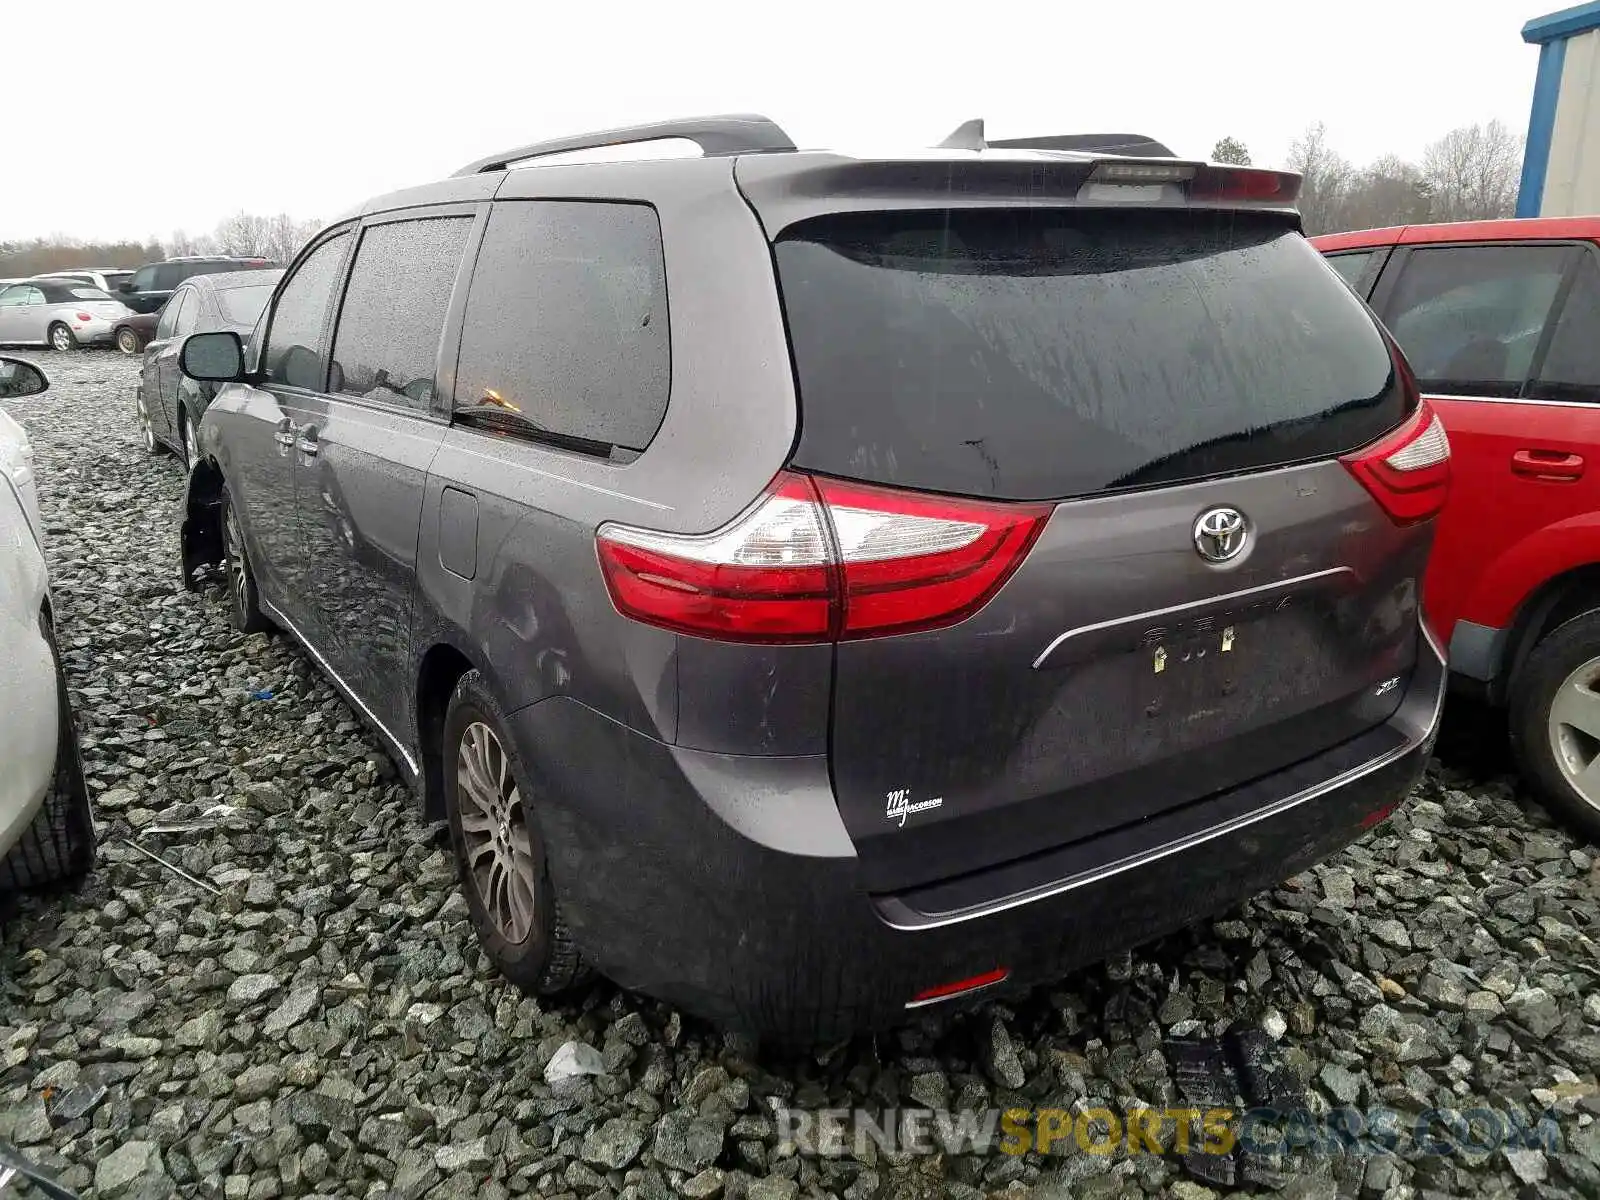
x=1220 y=534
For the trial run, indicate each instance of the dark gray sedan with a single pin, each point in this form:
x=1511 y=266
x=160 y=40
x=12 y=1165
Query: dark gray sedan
x=169 y=403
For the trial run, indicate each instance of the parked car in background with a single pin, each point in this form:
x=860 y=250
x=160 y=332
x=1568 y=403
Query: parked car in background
x=153 y=283
x=169 y=406
x=107 y=279
x=1501 y=322
x=59 y=313
x=46 y=829
x=986 y=606
x=16 y=452
x=133 y=333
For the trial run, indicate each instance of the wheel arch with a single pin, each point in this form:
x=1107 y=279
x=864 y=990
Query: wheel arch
x=1552 y=604
x=441 y=667
x=201 y=536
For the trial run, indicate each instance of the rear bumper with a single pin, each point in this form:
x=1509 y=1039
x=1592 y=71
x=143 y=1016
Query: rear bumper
x=727 y=885
x=93 y=333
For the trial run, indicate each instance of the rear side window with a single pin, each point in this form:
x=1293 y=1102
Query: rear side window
x=167 y=326
x=170 y=275
x=1571 y=369
x=566 y=322
x=1470 y=317
x=88 y=293
x=1349 y=267
x=1047 y=353
x=295 y=347
x=394 y=308
x=188 y=319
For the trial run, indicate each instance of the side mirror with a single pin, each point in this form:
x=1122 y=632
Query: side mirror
x=213 y=357
x=125 y=286
x=18 y=378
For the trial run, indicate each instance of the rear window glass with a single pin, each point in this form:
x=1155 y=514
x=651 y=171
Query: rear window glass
x=1041 y=354
x=242 y=305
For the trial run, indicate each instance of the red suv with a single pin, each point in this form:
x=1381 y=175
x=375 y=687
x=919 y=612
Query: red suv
x=1501 y=323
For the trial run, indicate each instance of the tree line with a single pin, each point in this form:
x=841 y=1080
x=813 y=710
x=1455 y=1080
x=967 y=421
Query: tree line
x=1471 y=173
x=278 y=238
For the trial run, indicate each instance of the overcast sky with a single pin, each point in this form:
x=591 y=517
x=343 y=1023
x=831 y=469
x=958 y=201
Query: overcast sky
x=152 y=118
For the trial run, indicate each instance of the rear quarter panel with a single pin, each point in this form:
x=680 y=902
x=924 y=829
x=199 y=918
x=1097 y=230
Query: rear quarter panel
x=536 y=616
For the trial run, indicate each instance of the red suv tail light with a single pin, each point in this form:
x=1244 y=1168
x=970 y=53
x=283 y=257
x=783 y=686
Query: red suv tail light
x=816 y=559
x=1407 y=472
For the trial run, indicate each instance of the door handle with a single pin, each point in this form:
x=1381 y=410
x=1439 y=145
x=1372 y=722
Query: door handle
x=1547 y=464
x=286 y=432
x=308 y=443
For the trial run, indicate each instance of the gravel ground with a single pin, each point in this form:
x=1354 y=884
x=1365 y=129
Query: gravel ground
x=315 y=1018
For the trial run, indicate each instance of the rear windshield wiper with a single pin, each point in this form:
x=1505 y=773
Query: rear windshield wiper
x=505 y=421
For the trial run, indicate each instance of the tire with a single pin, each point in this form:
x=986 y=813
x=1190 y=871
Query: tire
x=1555 y=695
x=147 y=431
x=62 y=338
x=128 y=342
x=185 y=444
x=482 y=770
x=243 y=595
x=58 y=847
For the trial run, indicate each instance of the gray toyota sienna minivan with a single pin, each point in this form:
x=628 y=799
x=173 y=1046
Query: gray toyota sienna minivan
x=816 y=588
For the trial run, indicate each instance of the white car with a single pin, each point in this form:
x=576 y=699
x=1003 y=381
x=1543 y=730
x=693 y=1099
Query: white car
x=107 y=279
x=46 y=829
x=60 y=313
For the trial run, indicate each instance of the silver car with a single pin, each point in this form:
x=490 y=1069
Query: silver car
x=59 y=313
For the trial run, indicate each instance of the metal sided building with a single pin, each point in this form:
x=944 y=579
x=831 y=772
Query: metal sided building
x=1561 y=166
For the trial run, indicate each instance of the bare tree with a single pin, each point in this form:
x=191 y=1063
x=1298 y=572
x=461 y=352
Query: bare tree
x=1230 y=150
x=1474 y=172
x=244 y=234
x=1390 y=191
x=1326 y=178
x=285 y=236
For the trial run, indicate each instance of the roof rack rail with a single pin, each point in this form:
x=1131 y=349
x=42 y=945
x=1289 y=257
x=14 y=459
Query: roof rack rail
x=734 y=133
x=969 y=135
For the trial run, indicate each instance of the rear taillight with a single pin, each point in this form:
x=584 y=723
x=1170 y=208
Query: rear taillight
x=1243 y=183
x=816 y=559
x=1407 y=472
x=84 y=317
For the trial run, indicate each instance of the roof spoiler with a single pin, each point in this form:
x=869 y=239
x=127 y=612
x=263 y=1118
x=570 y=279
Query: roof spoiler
x=735 y=133
x=969 y=135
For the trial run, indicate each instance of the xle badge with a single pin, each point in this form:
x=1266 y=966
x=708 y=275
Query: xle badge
x=901 y=806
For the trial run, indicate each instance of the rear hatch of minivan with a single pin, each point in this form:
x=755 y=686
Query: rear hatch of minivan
x=1082 y=464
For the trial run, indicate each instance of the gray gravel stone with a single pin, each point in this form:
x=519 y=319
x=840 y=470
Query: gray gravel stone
x=464 y=1156
x=126 y=1167
x=299 y=1004
x=686 y=1142
x=615 y=1144
x=248 y=989
x=1005 y=1067
x=1537 y=1009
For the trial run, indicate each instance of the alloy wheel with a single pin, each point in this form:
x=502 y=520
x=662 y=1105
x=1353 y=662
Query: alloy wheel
x=127 y=341
x=146 y=430
x=61 y=339
x=183 y=438
x=1575 y=731
x=496 y=844
x=233 y=546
